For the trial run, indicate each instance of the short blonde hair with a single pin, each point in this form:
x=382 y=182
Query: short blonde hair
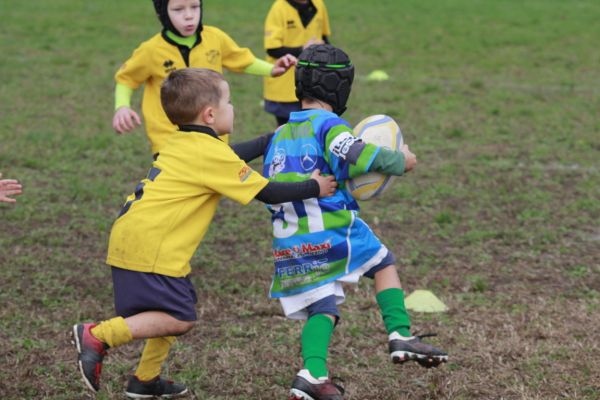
x=186 y=92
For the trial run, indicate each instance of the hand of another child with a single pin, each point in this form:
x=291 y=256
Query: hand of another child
x=410 y=160
x=9 y=187
x=283 y=64
x=327 y=184
x=125 y=120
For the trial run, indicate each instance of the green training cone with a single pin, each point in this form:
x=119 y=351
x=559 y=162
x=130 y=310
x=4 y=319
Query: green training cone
x=424 y=301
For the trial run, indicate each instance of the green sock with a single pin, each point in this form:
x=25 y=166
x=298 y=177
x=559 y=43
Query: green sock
x=315 y=343
x=393 y=311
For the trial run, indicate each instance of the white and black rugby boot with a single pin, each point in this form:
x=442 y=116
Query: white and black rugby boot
x=306 y=387
x=403 y=349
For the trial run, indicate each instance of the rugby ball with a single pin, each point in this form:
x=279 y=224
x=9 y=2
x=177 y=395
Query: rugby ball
x=382 y=131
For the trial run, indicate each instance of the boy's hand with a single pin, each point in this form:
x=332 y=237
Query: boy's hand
x=9 y=187
x=125 y=120
x=410 y=160
x=283 y=64
x=327 y=184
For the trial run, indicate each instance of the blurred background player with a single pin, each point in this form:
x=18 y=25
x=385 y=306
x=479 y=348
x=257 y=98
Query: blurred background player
x=320 y=243
x=163 y=222
x=9 y=187
x=183 y=42
x=290 y=27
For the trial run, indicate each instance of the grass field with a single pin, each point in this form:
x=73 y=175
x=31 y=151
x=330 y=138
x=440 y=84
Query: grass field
x=498 y=99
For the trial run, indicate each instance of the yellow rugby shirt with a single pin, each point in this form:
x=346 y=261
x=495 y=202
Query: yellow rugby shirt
x=163 y=222
x=284 y=28
x=154 y=59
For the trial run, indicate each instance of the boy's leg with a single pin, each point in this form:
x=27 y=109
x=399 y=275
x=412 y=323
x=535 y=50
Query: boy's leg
x=312 y=382
x=316 y=336
x=390 y=297
x=134 y=294
x=93 y=340
x=402 y=346
x=147 y=381
x=155 y=352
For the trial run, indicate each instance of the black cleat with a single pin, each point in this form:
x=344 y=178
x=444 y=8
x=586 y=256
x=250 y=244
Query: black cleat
x=403 y=349
x=156 y=387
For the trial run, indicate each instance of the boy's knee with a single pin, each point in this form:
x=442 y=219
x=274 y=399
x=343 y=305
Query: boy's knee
x=182 y=327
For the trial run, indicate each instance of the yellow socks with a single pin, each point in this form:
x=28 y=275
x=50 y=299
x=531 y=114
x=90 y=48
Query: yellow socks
x=155 y=352
x=113 y=332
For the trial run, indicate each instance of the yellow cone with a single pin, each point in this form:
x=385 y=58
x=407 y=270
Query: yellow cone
x=424 y=301
x=378 y=75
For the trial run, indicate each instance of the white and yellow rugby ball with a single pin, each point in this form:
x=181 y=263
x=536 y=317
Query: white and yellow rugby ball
x=382 y=131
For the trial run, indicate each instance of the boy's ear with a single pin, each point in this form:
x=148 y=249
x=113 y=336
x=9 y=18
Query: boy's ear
x=208 y=115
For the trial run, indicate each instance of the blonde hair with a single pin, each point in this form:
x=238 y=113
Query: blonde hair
x=186 y=92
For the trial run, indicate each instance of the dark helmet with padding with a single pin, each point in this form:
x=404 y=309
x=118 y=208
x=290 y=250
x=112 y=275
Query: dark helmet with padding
x=161 y=7
x=325 y=73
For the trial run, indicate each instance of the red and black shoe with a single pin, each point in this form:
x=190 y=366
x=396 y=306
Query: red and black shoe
x=403 y=349
x=306 y=387
x=153 y=388
x=91 y=352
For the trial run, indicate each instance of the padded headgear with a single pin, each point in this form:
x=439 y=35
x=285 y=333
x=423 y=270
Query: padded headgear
x=163 y=16
x=325 y=73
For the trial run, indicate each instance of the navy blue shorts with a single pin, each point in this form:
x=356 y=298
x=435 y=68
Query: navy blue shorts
x=327 y=305
x=388 y=260
x=282 y=109
x=136 y=292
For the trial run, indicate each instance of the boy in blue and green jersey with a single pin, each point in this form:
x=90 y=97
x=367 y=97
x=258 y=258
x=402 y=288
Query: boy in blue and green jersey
x=183 y=42
x=320 y=243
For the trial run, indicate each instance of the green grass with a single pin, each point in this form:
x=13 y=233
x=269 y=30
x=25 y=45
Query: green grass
x=499 y=100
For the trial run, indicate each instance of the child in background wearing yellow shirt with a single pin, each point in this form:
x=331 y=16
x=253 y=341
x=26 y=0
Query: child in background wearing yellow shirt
x=290 y=27
x=183 y=42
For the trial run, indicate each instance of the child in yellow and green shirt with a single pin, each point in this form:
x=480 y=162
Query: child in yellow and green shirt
x=183 y=42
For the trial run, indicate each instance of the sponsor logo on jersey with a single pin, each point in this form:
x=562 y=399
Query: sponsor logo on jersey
x=340 y=146
x=309 y=157
x=316 y=267
x=303 y=250
x=244 y=173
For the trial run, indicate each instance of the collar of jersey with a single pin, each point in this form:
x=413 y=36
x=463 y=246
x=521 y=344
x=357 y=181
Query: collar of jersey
x=306 y=114
x=199 y=128
x=179 y=41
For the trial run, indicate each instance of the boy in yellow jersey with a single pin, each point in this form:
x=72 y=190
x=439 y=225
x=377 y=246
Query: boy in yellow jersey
x=163 y=222
x=183 y=42
x=290 y=27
